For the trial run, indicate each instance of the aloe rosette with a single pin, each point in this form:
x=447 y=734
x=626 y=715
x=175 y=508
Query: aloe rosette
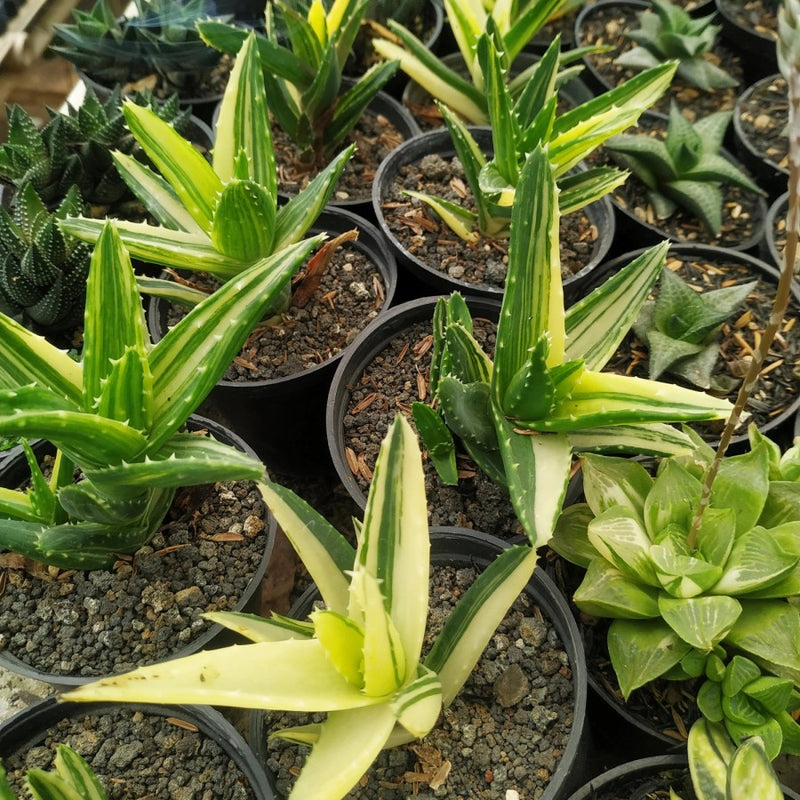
x=360 y=658
x=117 y=416
x=530 y=120
x=217 y=218
x=303 y=61
x=521 y=415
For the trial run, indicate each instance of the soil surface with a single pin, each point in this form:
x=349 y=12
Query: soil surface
x=608 y=26
x=757 y=15
x=137 y=755
x=423 y=234
x=348 y=298
x=374 y=135
x=391 y=382
x=101 y=622
x=506 y=730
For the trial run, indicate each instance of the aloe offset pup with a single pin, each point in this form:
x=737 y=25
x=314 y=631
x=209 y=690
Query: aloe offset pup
x=359 y=659
x=218 y=218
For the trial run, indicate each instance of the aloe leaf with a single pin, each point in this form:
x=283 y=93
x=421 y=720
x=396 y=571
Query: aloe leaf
x=244 y=221
x=466 y=410
x=585 y=187
x=394 y=544
x=194 y=354
x=325 y=552
x=655 y=439
x=176 y=293
x=84 y=502
x=505 y=128
x=46 y=786
x=74 y=770
x=427 y=70
x=527 y=24
x=642 y=650
x=418 y=704
x=156 y=245
x=536 y=471
x=28 y=358
x=477 y=615
x=351 y=105
x=18 y=505
x=243 y=124
x=157 y=195
x=607 y=592
x=112 y=341
x=600 y=399
x=540 y=88
x=348 y=743
x=294 y=219
x=183 y=167
x=468 y=20
x=259 y=629
x=533 y=304
x=460 y=220
x=273 y=57
x=343 y=641
x=301 y=679
x=437 y=440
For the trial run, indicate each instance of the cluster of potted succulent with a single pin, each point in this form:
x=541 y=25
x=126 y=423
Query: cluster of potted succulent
x=478 y=430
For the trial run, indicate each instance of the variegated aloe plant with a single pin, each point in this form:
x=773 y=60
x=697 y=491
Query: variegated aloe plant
x=521 y=415
x=310 y=101
x=518 y=126
x=512 y=25
x=217 y=218
x=117 y=416
x=359 y=659
x=71 y=779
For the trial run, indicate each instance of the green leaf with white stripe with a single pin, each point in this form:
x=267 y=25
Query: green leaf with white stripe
x=190 y=359
x=703 y=622
x=181 y=165
x=244 y=221
x=258 y=629
x=460 y=220
x=655 y=439
x=325 y=552
x=533 y=304
x=477 y=615
x=76 y=772
x=394 y=543
x=418 y=704
x=607 y=592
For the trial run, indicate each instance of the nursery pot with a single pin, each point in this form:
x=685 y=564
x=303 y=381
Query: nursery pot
x=191 y=743
x=766 y=166
x=774 y=241
x=102 y=625
x=749 y=37
x=464 y=548
x=423 y=275
x=283 y=418
x=744 y=267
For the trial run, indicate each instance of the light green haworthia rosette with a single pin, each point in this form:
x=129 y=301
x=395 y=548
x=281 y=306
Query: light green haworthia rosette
x=682 y=604
x=118 y=415
x=521 y=415
x=359 y=659
x=217 y=218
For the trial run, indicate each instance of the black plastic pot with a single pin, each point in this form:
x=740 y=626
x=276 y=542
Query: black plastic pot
x=15 y=473
x=777 y=426
x=637 y=779
x=770 y=176
x=284 y=418
x=418 y=277
x=29 y=728
x=757 y=48
x=365 y=348
x=776 y=216
x=469 y=548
